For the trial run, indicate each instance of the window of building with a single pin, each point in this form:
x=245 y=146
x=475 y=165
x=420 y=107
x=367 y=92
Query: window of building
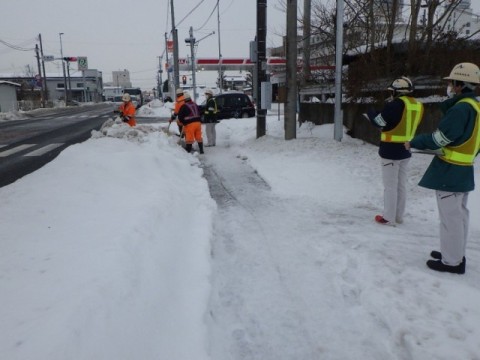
x=79 y=85
x=60 y=86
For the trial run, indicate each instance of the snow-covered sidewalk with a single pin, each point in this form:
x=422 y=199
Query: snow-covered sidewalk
x=301 y=271
x=116 y=250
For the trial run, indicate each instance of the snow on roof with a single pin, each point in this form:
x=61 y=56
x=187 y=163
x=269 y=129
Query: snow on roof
x=3 y=82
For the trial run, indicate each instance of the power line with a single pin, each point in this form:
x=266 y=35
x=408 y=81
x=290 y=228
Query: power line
x=209 y=16
x=15 y=47
x=190 y=12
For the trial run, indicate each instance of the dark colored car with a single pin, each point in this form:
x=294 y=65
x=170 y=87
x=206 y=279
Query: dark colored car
x=232 y=105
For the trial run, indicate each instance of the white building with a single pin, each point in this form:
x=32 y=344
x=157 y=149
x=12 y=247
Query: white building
x=109 y=92
x=121 y=78
x=8 y=96
x=81 y=86
x=462 y=20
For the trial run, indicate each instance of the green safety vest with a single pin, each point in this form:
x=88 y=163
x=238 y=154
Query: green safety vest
x=464 y=154
x=411 y=118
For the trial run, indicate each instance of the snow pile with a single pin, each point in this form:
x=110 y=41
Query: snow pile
x=12 y=115
x=104 y=249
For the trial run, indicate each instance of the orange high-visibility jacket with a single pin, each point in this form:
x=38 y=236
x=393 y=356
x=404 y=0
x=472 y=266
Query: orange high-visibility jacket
x=178 y=104
x=128 y=110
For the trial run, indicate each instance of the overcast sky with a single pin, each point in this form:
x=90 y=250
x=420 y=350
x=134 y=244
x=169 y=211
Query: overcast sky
x=124 y=34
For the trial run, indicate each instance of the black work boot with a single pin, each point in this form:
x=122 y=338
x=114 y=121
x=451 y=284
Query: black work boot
x=188 y=147
x=438 y=265
x=200 y=146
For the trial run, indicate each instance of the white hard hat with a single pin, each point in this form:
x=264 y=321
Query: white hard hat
x=187 y=96
x=208 y=92
x=126 y=97
x=401 y=85
x=466 y=72
x=179 y=91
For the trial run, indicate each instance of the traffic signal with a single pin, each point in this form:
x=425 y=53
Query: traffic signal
x=70 y=59
x=184 y=79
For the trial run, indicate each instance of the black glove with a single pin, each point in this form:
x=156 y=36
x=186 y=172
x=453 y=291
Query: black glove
x=125 y=118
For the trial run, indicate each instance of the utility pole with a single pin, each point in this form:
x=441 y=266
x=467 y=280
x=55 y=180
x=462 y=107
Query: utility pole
x=191 y=41
x=63 y=67
x=159 y=83
x=166 y=59
x=291 y=104
x=338 y=126
x=69 y=81
x=44 y=82
x=261 y=64
x=176 y=76
x=37 y=55
x=307 y=10
x=220 y=75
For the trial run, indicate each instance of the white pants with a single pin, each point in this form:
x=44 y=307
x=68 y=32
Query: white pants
x=454 y=221
x=211 y=133
x=394 y=173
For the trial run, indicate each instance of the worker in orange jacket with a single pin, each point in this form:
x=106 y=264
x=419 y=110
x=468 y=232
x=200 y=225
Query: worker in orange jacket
x=127 y=110
x=180 y=100
x=190 y=118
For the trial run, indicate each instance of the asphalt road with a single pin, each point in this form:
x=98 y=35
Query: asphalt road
x=26 y=145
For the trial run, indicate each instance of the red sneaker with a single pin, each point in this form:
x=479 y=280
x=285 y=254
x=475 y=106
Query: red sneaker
x=379 y=219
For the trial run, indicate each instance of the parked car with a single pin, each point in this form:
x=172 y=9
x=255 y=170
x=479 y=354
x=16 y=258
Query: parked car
x=232 y=105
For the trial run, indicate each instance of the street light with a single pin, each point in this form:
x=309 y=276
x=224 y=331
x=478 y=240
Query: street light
x=63 y=67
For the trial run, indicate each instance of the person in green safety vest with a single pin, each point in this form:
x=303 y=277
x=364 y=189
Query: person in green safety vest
x=398 y=122
x=451 y=173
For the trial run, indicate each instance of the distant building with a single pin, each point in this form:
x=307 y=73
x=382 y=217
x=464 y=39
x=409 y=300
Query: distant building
x=121 y=78
x=383 y=9
x=462 y=20
x=88 y=91
x=109 y=92
x=8 y=96
x=86 y=87
x=235 y=82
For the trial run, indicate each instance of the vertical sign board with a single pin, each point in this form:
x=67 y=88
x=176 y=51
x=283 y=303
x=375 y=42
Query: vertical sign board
x=266 y=98
x=82 y=63
x=82 y=66
x=170 y=46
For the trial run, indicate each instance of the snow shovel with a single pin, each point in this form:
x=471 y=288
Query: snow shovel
x=181 y=140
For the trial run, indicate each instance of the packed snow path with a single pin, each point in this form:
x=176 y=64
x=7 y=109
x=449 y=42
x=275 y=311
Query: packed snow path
x=264 y=291
x=294 y=278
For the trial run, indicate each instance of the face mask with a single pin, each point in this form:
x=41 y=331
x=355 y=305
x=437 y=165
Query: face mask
x=450 y=92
